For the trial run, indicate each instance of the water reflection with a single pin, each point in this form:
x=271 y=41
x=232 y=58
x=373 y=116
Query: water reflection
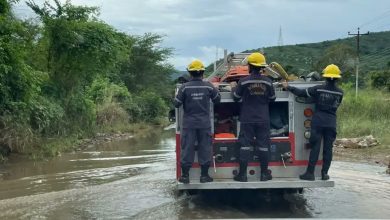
x=102 y=164
x=136 y=179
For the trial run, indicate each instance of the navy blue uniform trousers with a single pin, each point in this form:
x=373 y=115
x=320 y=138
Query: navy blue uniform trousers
x=328 y=134
x=259 y=134
x=201 y=137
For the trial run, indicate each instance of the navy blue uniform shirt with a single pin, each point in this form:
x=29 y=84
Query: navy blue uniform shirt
x=327 y=99
x=256 y=91
x=195 y=97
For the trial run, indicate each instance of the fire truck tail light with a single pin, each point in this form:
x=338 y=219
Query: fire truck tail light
x=307 y=134
x=308 y=112
x=307 y=123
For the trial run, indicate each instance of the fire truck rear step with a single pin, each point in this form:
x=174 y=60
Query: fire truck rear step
x=276 y=183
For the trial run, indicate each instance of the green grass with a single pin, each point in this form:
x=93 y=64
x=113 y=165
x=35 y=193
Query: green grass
x=369 y=114
x=111 y=119
x=52 y=147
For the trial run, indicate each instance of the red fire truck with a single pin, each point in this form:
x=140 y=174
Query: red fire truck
x=290 y=131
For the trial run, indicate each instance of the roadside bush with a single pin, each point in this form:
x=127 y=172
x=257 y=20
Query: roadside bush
x=47 y=117
x=81 y=113
x=109 y=98
x=368 y=114
x=147 y=107
x=380 y=79
x=133 y=110
x=16 y=133
x=102 y=90
x=111 y=114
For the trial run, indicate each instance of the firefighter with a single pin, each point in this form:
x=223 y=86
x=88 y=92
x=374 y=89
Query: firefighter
x=195 y=97
x=327 y=99
x=256 y=92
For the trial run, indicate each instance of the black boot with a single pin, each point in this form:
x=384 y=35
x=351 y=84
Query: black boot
x=265 y=175
x=204 y=174
x=185 y=176
x=324 y=175
x=241 y=176
x=307 y=176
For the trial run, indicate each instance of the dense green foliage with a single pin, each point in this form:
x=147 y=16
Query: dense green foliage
x=381 y=79
x=302 y=59
x=72 y=75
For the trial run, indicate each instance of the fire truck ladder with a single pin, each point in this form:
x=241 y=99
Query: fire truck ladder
x=229 y=61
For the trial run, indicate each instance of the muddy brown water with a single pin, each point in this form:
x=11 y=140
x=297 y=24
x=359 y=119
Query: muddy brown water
x=134 y=179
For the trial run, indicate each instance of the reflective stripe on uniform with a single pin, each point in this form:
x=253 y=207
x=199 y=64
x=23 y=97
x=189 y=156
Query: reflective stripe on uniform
x=178 y=100
x=307 y=92
x=329 y=91
x=272 y=97
x=216 y=95
x=197 y=87
x=245 y=148
x=263 y=149
x=256 y=81
x=237 y=96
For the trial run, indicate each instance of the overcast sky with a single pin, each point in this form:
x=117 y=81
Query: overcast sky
x=194 y=28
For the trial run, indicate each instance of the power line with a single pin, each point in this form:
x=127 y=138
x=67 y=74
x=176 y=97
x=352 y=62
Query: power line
x=382 y=52
x=375 y=55
x=381 y=16
x=381 y=26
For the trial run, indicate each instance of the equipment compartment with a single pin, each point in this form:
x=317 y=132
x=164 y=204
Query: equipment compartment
x=227 y=124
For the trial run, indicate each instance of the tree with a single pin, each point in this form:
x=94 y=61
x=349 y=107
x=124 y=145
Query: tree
x=75 y=48
x=146 y=67
x=341 y=55
x=18 y=81
x=4 y=7
x=71 y=71
x=79 y=46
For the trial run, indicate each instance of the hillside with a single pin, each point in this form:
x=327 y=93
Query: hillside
x=301 y=58
x=374 y=52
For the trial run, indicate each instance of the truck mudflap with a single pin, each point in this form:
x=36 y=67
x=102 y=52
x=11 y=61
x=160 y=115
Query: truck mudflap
x=276 y=183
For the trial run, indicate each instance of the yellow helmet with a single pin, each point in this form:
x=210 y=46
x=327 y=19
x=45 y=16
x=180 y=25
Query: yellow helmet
x=195 y=65
x=331 y=71
x=257 y=59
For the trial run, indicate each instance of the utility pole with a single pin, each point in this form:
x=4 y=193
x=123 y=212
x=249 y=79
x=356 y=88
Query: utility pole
x=357 y=57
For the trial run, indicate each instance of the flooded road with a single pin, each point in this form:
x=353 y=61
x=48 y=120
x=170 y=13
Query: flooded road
x=134 y=179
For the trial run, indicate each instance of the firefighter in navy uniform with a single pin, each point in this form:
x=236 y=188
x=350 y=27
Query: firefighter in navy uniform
x=256 y=92
x=195 y=97
x=327 y=99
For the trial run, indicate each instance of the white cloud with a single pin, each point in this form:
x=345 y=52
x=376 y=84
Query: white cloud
x=207 y=54
x=192 y=28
